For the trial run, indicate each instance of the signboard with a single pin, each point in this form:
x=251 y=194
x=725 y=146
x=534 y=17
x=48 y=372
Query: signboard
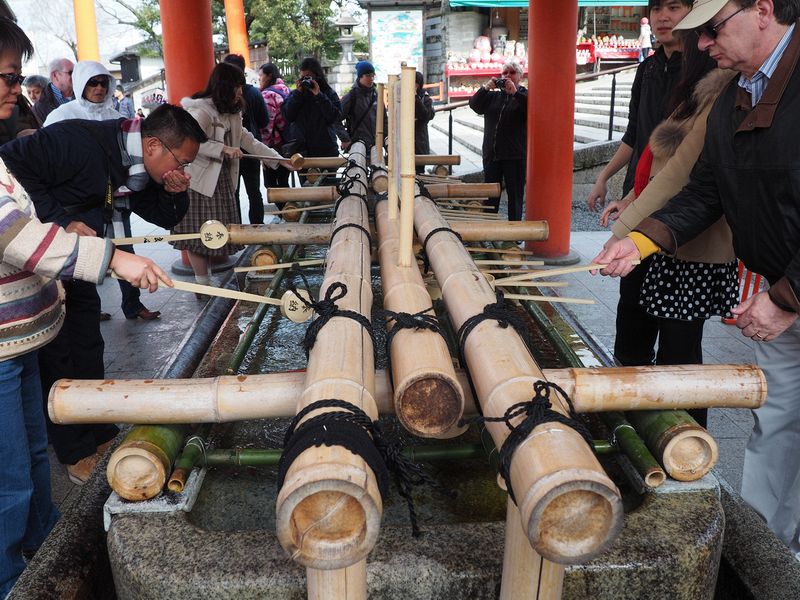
x=395 y=36
x=153 y=98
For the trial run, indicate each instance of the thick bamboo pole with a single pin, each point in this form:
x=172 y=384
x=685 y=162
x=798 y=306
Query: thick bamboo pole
x=340 y=584
x=392 y=165
x=241 y=397
x=379 y=178
x=436 y=159
x=634 y=448
x=317 y=162
x=464 y=190
x=379 y=134
x=321 y=194
x=428 y=399
x=570 y=510
x=683 y=447
x=526 y=574
x=329 y=509
x=511 y=231
x=405 y=254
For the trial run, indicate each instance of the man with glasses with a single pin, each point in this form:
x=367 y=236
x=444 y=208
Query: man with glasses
x=749 y=171
x=96 y=103
x=59 y=91
x=503 y=102
x=71 y=169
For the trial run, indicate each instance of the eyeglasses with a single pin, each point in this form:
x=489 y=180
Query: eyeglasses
x=181 y=165
x=512 y=72
x=712 y=31
x=12 y=79
x=98 y=81
x=67 y=72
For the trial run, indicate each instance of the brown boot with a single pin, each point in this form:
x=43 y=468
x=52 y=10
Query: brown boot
x=81 y=470
x=103 y=448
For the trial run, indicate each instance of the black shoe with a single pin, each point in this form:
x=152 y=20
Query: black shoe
x=104 y=316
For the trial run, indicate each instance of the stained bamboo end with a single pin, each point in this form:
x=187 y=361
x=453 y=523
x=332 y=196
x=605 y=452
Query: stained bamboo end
x=264 y=257
x=690 y=454
x=297 y=160
x=290 y=212
x=576 y=520
x=430 y=405
x=136 y=472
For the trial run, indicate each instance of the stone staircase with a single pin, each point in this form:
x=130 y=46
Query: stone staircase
x=592 y=103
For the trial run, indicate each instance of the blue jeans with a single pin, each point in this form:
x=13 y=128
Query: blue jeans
x=27 y=513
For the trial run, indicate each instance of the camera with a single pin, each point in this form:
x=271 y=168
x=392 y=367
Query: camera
x=307 y=83
x=500 y=83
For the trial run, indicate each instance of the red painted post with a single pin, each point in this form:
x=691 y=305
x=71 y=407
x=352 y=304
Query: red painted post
x=237 y=29
x=188 y=47
x=551 y=108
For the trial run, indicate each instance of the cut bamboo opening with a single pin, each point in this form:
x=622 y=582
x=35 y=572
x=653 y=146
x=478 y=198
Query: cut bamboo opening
x=241 y=397
x=428 y=399
x=329 y=509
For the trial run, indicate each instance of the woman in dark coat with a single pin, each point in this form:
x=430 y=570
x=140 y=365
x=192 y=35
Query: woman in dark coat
x=313 y=109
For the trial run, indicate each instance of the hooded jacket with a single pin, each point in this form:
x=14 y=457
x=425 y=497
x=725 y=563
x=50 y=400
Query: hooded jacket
x=676 y=145
x=81 y=108
x=313 y=119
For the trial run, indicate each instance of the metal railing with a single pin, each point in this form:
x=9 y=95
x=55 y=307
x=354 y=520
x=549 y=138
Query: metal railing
x=578 y=78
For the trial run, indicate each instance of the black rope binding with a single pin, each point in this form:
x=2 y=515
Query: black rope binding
x=352 y=428
x=423 y=319
x=501 y=311
x=536 y=411
x=364 y=230
x=344 y=189
x=425 y=261
x=326 y=309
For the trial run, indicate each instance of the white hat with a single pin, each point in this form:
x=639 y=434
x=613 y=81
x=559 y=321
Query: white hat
x=701 y=13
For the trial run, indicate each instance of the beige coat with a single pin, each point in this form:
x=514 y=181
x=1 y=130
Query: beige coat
x=676 y=146
x=205 y=168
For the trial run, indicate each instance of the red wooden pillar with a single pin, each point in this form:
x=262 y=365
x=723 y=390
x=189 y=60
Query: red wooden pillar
x=237 y=29
x=551 y=108
x=188 y=47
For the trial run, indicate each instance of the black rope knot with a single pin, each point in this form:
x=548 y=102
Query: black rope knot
x=431 y=233
x=361 y=435
x=326 y=309
x=535 y=411
x=424 y=319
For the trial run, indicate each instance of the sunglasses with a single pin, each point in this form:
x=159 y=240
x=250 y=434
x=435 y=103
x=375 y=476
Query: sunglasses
x=12 y=79
x=712 y=31
x=98 y=81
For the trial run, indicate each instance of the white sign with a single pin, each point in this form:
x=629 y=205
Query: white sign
x=396 y=36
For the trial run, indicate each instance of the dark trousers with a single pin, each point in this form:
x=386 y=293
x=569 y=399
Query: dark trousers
x=131 y=303
x=249 y=172
x=510 y=173
x=679 y=342
x=75 y=353
x=276 y=178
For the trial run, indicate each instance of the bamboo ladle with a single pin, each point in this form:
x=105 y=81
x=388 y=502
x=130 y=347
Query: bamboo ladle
x=291 y=306
x=552 y=272
x=212 y=234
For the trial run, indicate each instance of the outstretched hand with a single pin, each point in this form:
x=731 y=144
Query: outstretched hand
x=619 y=256
x=761 y=319
x=139 y=271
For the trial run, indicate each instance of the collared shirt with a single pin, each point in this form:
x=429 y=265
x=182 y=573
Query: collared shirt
x=59 y=96
x=756 y=86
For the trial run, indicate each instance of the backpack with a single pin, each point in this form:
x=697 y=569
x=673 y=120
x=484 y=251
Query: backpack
x=281 y=130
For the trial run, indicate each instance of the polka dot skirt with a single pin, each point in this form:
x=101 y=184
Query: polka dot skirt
x=676 y=289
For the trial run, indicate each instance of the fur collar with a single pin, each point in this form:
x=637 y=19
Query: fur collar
x=669 y=134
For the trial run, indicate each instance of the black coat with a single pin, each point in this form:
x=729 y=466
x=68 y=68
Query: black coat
x=749 y=172
x=423 y=113
x=313 y=120
x=46 y=103
x=65 y=170
x=652 y=89
x=254 y=116
x=505 y=123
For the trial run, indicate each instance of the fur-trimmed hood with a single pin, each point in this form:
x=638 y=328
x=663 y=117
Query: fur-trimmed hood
x=669 y=134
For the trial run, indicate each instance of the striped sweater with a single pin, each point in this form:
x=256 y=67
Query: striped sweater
x=33 y=255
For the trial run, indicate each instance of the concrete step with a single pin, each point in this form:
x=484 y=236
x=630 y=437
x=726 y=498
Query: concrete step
x=472 y=124
x=470 y=138
x=600 y=122
x=599 y=109
x=602 y=100
x=588 y=135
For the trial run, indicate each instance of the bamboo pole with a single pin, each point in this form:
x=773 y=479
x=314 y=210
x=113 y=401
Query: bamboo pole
x=293 y=212
x=379 y=139
x=464 y=190
x=321 y=193
x=340 y=584
x=510 y=231
x=329 y=509
x=516 y=263
x=562 y=271
x=428 y=399
x=241 y=397
x=391 y=156
x=299 y=263
x=139 y=466
x=436 y=159
x=570 y=510
x=405 y=255
x=526 y=574
x=299 y=161
x=379 y=178
x=634 y=448
x=513 y=252
x=683 y=447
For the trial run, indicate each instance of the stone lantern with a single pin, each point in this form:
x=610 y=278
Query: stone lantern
x=343 y=74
